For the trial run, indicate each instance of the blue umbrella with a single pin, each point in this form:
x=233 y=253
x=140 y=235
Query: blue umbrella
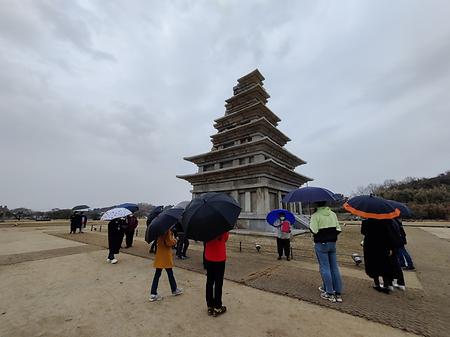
x=309 y=195
x=371 y=207
x=162 y=223
x=275 y=215
x=129 y=206
x=405 y=211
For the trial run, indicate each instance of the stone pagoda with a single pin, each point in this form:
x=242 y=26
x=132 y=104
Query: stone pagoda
x=248 y=160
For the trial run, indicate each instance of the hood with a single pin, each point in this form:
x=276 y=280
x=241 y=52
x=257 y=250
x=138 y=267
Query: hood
x=326 y=211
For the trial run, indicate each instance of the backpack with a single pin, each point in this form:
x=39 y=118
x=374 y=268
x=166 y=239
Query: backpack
x=285 y=227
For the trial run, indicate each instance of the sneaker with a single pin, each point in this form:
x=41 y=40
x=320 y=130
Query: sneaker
x=210 y=311
x=391 y=288
x=279 y=258
x=328 y=297
x=220 y=311
x=338 y=298
x=108 y=260
x=154 y=298
x=114 y=261
x=400 y=287
x=321 y=289
x=177 y=292
x=410 y=268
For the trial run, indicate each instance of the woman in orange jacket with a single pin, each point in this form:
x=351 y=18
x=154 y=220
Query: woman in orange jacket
x=164 y=260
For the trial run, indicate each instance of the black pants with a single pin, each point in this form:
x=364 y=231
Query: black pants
x=214 y=282
x=129 y=234
x=115 y=238
x=73 y=227
x=182 y=246
x=284 y=245
x=397 y=269
x=173 y=283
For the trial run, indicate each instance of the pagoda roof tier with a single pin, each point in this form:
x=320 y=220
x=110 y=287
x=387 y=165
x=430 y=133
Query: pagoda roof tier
x=245 y=82
x=267 y=168
x=254 y=110
x=255 y=91
x=261 y=125
x=253 y=77
x=264 y=145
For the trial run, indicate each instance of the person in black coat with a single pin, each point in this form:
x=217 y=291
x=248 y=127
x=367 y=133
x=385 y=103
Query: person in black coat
x=380 y=242
x=115 y=237
x=73 y=227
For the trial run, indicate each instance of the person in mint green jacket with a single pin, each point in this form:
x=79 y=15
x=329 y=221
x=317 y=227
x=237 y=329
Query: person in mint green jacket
x=325 y=227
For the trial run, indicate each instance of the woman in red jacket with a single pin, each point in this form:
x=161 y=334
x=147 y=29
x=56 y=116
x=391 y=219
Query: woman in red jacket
x=215 y=256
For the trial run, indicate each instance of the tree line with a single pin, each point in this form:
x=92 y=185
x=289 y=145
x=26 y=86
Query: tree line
x=428 y=198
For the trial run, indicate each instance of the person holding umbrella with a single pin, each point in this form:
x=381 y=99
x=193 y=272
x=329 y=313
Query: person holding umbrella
x=325 y=228
x=73 y=222
x=164 y=260
x=116 y=217
x=209 y=218
x=282 y=220
x=160 y=230
x=380 y=239
x=215 y=258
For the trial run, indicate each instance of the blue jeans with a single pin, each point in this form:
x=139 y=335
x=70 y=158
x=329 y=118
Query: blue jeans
x=173 y=283
x=404 y=256
x=329 y=270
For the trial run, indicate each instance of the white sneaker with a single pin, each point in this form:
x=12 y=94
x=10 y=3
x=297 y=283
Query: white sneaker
x=330 y=298
x=399 y=287
x=114 y=261
x=154 y=298
x=338 y=298
x=177 y=292
x=108 y=260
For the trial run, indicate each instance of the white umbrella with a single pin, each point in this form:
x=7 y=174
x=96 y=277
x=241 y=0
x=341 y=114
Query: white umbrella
x=118 y=212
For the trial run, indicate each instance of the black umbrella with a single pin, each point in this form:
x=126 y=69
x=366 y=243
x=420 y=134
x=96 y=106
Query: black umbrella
x=371 y=207
x=209 y=216
x=129 y=206
x=162 y=223
x=79 y=207
x=309 y=195
x=405 y=211
x=154 y=213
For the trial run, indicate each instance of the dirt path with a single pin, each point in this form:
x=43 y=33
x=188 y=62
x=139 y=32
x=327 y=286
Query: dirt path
x=403 y=310
x=81 y=295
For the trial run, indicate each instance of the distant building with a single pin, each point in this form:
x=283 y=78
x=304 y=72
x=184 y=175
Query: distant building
x=248 y=160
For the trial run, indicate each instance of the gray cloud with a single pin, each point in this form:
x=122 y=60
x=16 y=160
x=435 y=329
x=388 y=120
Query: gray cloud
x=99 y=101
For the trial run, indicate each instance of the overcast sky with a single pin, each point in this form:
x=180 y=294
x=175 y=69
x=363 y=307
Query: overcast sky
x=101 y=100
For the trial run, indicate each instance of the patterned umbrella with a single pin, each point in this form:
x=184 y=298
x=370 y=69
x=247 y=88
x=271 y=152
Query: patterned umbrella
x=118 y=212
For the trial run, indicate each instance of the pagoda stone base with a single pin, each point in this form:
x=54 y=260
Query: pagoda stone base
x=256 y=200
